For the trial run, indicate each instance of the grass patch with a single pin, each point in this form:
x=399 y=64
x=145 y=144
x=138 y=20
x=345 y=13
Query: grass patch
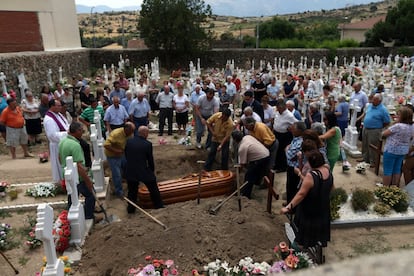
x=23 y=261
x=5 y=214
x=375 y=245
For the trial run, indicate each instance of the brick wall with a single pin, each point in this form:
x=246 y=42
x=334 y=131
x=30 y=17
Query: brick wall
x=20 y=31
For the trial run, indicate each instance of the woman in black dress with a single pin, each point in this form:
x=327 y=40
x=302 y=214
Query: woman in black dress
x=313 y=216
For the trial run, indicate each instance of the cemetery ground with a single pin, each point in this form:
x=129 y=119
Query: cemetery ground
x=194 y=237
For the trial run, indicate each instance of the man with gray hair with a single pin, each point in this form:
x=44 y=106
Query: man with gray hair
x=341 y=113
x=165 y=103
x=313 y=115
x=376 y=118
x=139 y=111
x=290 y=105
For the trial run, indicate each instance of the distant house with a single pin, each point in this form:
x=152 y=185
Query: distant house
x=357 y=30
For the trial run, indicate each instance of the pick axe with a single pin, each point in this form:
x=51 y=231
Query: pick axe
x=238 y=166
x=201 y=162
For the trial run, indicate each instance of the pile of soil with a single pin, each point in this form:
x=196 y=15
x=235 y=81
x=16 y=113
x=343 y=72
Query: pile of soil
x=193 y=238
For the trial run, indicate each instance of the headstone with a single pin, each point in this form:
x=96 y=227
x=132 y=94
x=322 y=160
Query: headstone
x=44 y=228
x=76 y=214
x=121 y=64
x=351 y=132
x=106 y=81
x=3 y=83
x=49 y=77
x=97 y=163
x=97 y=144
x=60 y=74
x=112 y=73
x=22 y=84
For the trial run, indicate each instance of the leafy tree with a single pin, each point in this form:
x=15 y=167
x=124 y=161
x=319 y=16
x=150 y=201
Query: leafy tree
x=397 y=25
x=227 y=36
x=277 y=28
x=175 y=26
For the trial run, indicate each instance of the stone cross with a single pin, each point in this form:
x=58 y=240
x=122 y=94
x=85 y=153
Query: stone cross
x=60 y=74
x=351 y=132
x=105 y=75
x=76 y=214
x=3 y=83
x=22 y=84
x=198 y=67
x=49 y=77
x=112 y=73
x=135 y=75
x=336 y=62
x=98 y=158
x=44 y=228
x=121 y=64
x=97 y=144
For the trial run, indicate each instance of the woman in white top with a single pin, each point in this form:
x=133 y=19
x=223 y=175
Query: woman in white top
x=30 y=108
x=269 y=112
x=180 y=105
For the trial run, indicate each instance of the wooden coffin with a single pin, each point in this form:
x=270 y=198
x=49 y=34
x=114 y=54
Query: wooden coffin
x=213 y=183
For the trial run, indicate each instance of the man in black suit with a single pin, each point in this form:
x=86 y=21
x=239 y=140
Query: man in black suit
x=140 y=167
x=249 y=100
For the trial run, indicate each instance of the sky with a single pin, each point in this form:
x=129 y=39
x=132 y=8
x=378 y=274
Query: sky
x=246 y=7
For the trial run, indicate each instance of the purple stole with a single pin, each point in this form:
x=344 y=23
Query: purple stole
x=53 y=116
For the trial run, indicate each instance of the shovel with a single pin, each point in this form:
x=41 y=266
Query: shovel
x=214 y=210
x=238 y=166
x=107 y=219
x=146 y=213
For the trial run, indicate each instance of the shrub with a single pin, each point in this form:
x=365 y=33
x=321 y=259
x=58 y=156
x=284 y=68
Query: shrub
x=394 y=197
x=338 y=196
x=340 y=193
x=361 y=199
x=382 y=208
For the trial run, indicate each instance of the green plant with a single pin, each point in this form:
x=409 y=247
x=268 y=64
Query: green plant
x=382 y=208
x=338 y=196
x=23 y=261
x=394 y=197
x=361 y=199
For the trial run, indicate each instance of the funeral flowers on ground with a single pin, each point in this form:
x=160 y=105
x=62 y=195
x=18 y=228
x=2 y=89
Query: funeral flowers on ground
x=65 y=259
x=3 y=186
x=154 y=267
x=42 y=190
x=4 y=232
x=31 y=241
x=61 y=232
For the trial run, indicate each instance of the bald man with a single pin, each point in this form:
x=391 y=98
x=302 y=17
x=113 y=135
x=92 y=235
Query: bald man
x=140 y=168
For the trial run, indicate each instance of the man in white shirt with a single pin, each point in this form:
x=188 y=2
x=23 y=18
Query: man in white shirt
x=284 y=119
x=231 y=88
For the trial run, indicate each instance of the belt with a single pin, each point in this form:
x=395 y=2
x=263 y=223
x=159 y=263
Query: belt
x=145 y=117
x=15 y=127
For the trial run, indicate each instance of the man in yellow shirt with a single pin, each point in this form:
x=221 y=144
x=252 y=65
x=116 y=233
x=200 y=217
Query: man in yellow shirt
x=114 y=151
x=264 y=135
x=220 y=125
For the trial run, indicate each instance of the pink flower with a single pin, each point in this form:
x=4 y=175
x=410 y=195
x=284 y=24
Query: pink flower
x=148 y=258
x=276 y=249
x=133 y=270
x=169 y=263
x=165 y=272
x=174 y=271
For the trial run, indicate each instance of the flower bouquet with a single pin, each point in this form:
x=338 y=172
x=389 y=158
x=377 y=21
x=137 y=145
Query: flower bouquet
x=31 y=241
x=67 y=270
x=154 y=267
x=3 y=187
x=4 y=231
x=42 y=190
x=246 y=266
x=61 y=232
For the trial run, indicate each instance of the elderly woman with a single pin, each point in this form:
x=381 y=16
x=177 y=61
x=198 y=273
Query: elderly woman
x=341 y=113
x=30 y=108
x=68 y=99
x=399 y=137
x=313 y=115
x=269 y=111
x=313 y=216
x=181 y=103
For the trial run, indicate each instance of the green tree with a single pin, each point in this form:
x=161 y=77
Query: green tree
x=175 y=26
x=277 y=28
x=397 y=25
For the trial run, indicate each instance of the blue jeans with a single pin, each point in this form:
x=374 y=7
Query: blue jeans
x=116 y=167
x=212 y=156
x=200 y=131
x=89 y=205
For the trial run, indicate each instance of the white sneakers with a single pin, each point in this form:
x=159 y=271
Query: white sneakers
x=198 y=145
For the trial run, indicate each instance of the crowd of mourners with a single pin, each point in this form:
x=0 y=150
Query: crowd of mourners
x=278 y=124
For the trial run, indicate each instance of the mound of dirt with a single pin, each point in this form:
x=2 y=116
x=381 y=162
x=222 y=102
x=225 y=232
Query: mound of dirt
x=193 y=238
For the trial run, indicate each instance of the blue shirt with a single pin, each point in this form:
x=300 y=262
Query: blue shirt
x=139 y=109
x=3 y=104
x=273 y=90
x=343 y=107
x=291 y=154
x=194 y=97
x=361 y=96
x=376 y=116
x=116 y=116
x=126 y=103
x=120 y=93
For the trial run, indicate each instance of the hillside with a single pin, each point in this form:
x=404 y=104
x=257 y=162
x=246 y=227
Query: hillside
x=109 y=24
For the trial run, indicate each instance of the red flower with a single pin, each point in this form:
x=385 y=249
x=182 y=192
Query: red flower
x=148 y=258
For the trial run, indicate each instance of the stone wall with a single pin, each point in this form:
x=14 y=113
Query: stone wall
x=86 y=61
x=36 y=65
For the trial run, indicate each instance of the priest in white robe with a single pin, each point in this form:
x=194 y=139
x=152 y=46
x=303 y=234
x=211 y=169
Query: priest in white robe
x=56 y=127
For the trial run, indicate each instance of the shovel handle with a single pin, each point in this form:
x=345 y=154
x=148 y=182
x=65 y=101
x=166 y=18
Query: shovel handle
x=145 y=212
